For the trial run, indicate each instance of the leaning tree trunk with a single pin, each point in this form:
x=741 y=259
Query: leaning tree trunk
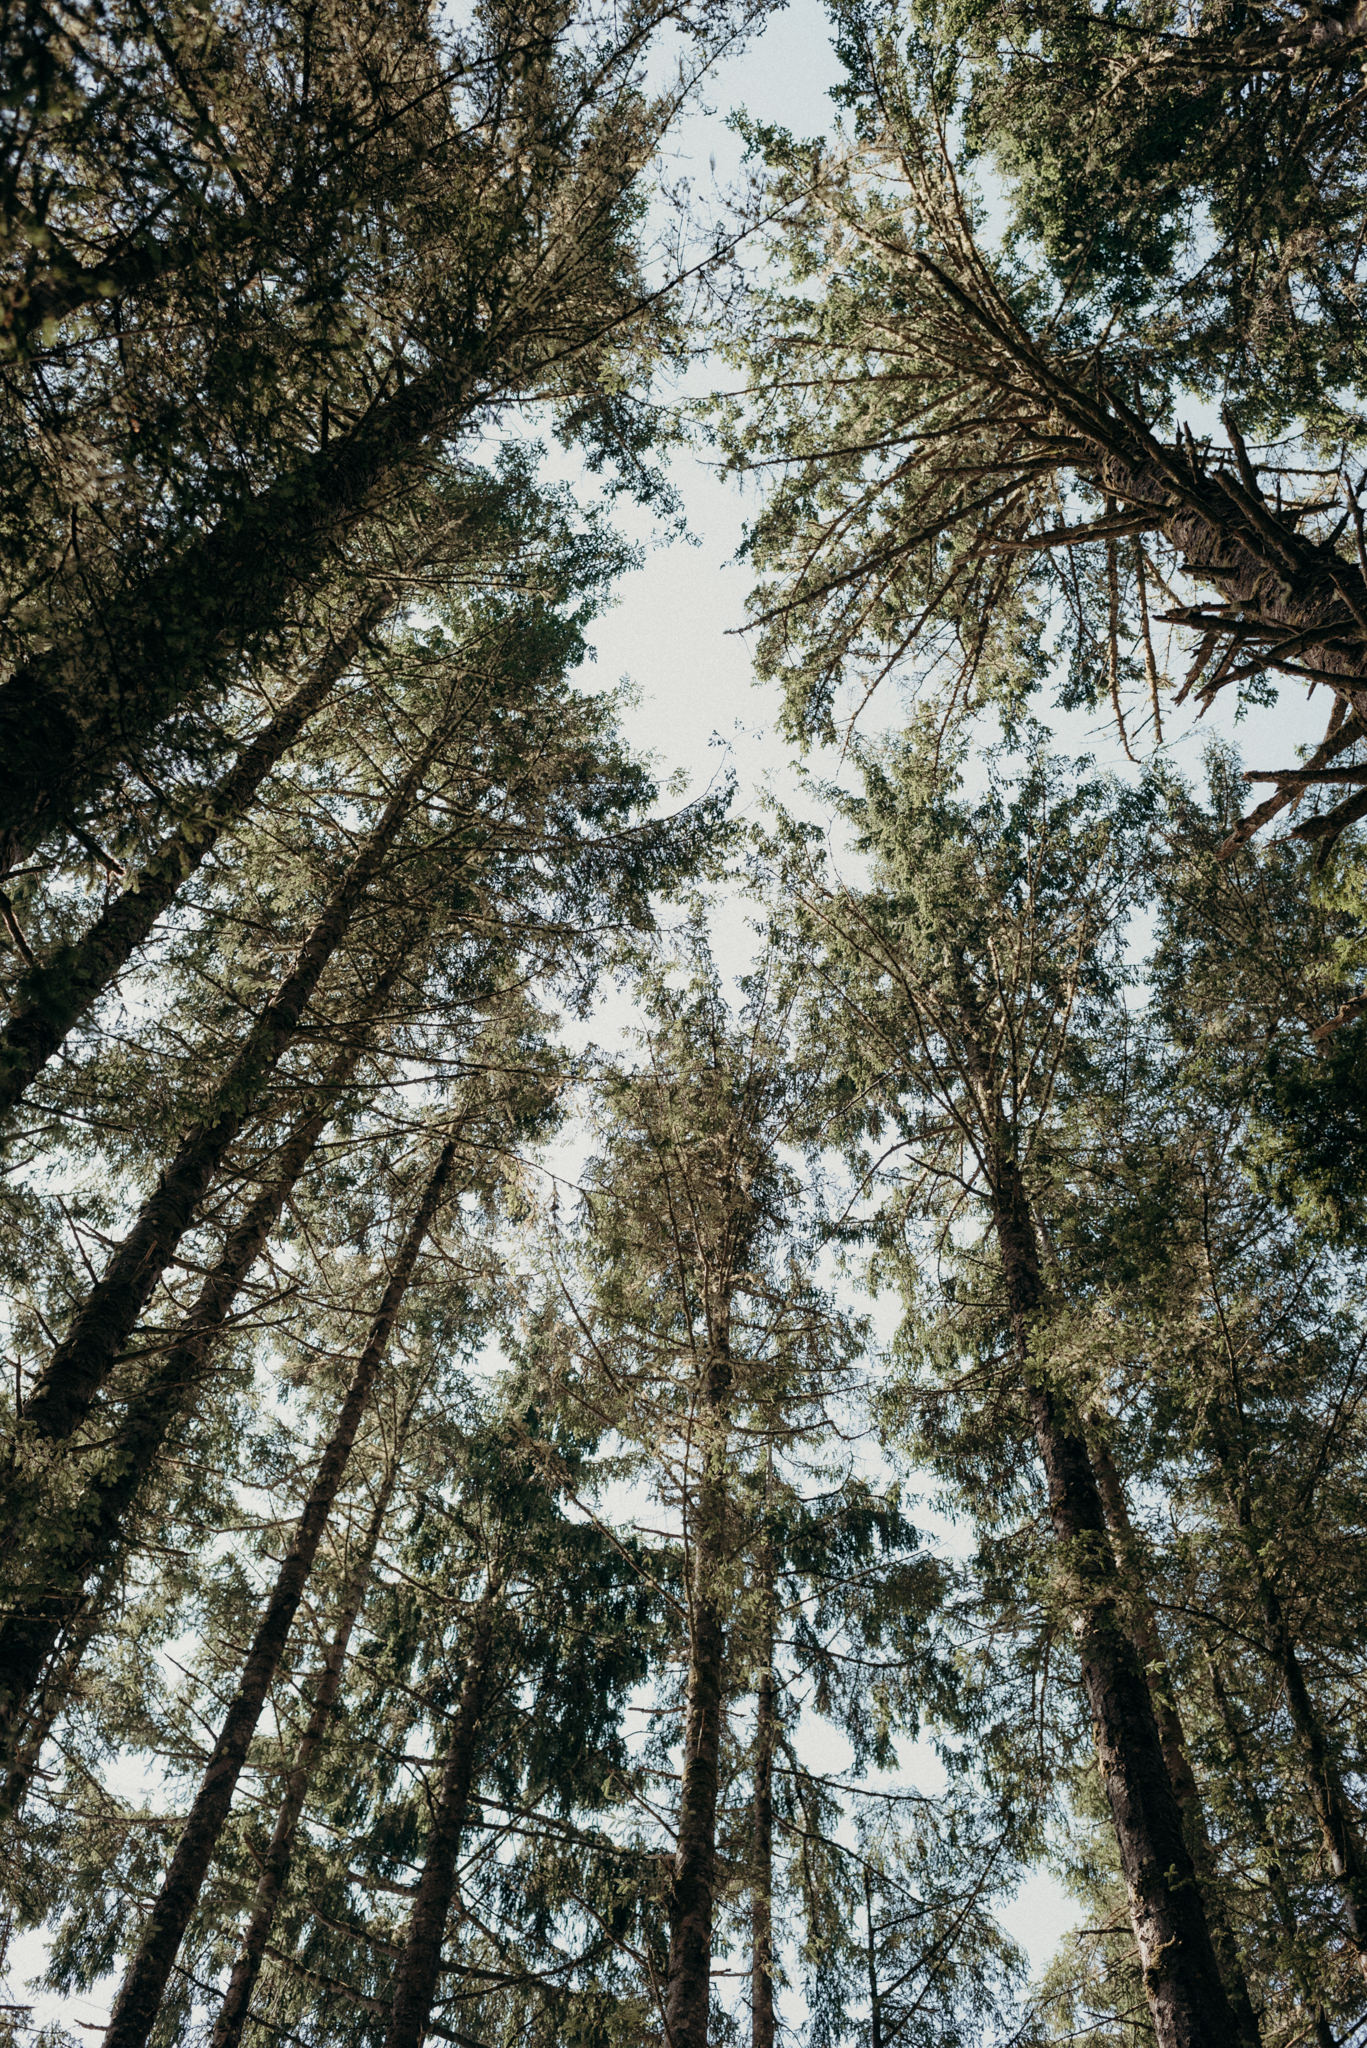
x=762 y=1810
x=93 y=698
x=135 y=2009
x=690 y=1929
x=1324 y=1782
x=1186 y=1997
x=1172 y=1736
x=53 y=996
x=275 y=1865
x=419 y=1972
x=1277 y=1886
x=103 y=1324
x=93 y=1529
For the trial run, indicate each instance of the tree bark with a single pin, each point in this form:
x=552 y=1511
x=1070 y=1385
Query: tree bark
x=415 y=1986
x=871 y=1965
x=1172 y=1737
x=690 y=1931
x=53 y=996
x=762 y=1893
x=1272 y=1867
x=103 y=1324
x=31 y=1630
x=1324 y=1782
x=275 y=1868
x=1186 y=1997
x=73 y=711
x=135 y=2009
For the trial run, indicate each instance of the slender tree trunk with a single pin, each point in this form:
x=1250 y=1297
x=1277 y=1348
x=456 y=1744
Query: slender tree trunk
x=1329 y=1800
x=135 y=2009
x=871 y=1964
x=1272 y=1868
x=690 y=1932
x=275 y=1868
x=762 y=1894
x=1182 y=1983
x=73 y=711
x=1172 y=1737
x=105 y=1321
x=53 y=997
x=94 y=1528
x=415 y=1986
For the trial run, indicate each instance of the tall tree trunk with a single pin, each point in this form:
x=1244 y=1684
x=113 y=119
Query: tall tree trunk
x=104 y=1322
x=1172 y=1737
x=73 y=711
x=53 y=996
x=415 y=1986
x=1182 y=1983
x=1329 y=1800
x=1277 y=1886
x=93 y=1529
x=135 y=2009
x=275 y=1867
x=871 y=1966
x=690 y=1931
x=762 y=1892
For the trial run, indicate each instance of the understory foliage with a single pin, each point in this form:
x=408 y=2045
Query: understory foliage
x=558 y=1492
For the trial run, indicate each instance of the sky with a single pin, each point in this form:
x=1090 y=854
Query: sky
x=675 y=634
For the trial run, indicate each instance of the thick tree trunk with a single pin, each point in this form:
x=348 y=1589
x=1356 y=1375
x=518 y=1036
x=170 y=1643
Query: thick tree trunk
x=93 y=1530
x=1277 y=1886
x=1172 y=1737
x=275 y=1867
x=762 y=1894
x=1329 y=1800
x=690 y=1930
x=415 y=1986
x=79 y=707
x=1181 y=1977
x=105 y=1321
x=135 y=2009
x=53 y=996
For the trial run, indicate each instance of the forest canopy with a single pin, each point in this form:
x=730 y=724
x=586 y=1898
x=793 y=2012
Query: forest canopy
x=569 y=1478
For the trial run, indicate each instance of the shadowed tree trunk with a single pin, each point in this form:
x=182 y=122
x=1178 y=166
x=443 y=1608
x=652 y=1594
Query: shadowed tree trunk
x=53 y=996
x=135 y=2009
x=415 y=1986
x=73 y=711
x=1324 y=1782
x=690 y=1930
x=1182 y=1981
x=104 y=1322
x=95 y=1526
x=871 y=1964
x=275 y=1866
x=762 y=1895
x=1272 y=1867
x=1172 y=1736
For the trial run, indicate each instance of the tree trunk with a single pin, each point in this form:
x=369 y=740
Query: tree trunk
x=871 y=1964
x=1272 y=1867
x=415 y=1986
x=103 y=1324
x=762 y=1893
x=135 y=2009
x=1172 y=1737
x=275 y=1868
x=1328 y=1796
x=52 y=997
x=1181 y=1977
x=73 y=711
x=690 y=1931
x=93 y=1530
